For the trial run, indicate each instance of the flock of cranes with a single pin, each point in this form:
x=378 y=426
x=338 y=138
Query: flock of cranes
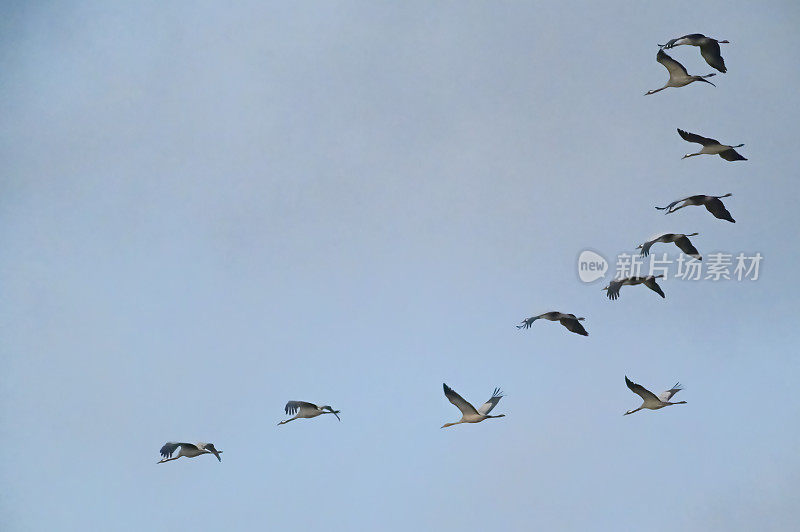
x=678 y=77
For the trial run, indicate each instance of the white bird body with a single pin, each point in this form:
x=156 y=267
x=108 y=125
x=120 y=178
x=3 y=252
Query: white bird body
x=304 y=410
x=650 y=400
x=678 y=77
x=469 y=414
x=713 y=149
x=189 y=450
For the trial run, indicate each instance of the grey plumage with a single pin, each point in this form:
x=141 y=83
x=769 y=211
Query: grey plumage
x=711 y=147
x=570 y=321
x=709 y=48
x=678 y=77
x=713 y=204
x=679 y=239
x=613 y=288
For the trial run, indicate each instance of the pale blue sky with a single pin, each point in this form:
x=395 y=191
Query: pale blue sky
x=208 y=210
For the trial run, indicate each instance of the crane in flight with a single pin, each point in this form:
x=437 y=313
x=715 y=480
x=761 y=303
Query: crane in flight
x=650 y=400
x=713 y=204
x=711 y=147
x=709 y=48
x=678 y=77
x=680 y=240
x=613 y=288
x=189 y=450
x=570 y=321
x=301 y=409
x=468 y=412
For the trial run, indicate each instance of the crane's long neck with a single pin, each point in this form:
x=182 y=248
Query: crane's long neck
x=287 y=420
x=451 y=424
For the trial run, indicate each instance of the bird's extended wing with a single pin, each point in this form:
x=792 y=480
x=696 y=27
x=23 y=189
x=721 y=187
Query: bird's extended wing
x=732 y=155
x=710 y=52
x=527 y=322
x=687 y=247
x=293 y=406
x=465 y=407
x=675 y=69
x=717 y=208
x=653 y=285
x=572 y=324
x=169 y=448
x=613 y=289
x=667 y=395
x=640 y=390
x=692 y=137
x=646 y=247
x=491 y=403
